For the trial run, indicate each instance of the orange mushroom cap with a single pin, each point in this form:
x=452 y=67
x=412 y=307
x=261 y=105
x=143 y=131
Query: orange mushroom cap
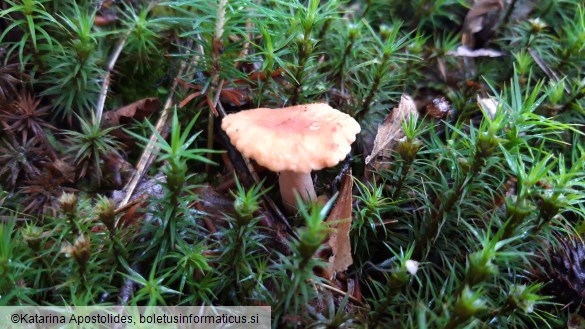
x=298 y=138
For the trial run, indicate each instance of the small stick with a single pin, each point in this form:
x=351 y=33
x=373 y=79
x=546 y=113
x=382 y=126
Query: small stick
x=128 y=205
x=7 y=219
x=339 y=291
x=148 y=155
x=107 y=79
x=547 y=69
x=210 y=120
x=127 y=289
x=110 y=67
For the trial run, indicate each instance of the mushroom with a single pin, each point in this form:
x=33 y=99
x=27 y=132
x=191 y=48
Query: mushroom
x=293 y=141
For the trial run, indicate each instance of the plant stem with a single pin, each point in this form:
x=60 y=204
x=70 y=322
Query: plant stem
x=405 y=169
x=366 y=104
x=110 y=67
x=150 y=150
x=509 y=12
x=432 y=228
x=304 y=55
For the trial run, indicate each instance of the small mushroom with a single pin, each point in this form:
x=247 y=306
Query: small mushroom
x=293 y=141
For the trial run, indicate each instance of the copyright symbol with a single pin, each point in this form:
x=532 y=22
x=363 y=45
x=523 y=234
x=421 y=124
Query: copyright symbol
x=15 y=318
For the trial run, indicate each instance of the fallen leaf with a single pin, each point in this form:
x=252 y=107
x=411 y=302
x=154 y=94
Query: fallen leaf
x=137 y=111
x=340 y=219
x=355 y=288
x=480 y=22
x=391 y=129
x=232 y=94
x=256 y=76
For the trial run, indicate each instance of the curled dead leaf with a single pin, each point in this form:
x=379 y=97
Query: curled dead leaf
x=340 y=219
x=137 y=111
x=390 y=130
x=118 y=169
x=133 y=212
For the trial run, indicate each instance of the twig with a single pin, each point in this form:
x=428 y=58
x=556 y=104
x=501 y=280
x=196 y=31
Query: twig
x=110 y=67
x=210 y=122
x=344 y=170
x=7 y=219
x=128 y=287
x=217 y=95
x=148 y=155
x=339 y=291
x=128 y=205
x=107 y=79
x=552 y=75
x=509 y=12
x=215 y=53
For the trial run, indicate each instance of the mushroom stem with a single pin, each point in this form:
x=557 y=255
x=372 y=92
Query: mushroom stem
x=293 y=182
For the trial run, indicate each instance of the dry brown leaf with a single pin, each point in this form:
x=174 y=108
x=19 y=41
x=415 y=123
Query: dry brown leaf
x=340 y=217
x=391 y=129
x=137 y=111
x=480 y=22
